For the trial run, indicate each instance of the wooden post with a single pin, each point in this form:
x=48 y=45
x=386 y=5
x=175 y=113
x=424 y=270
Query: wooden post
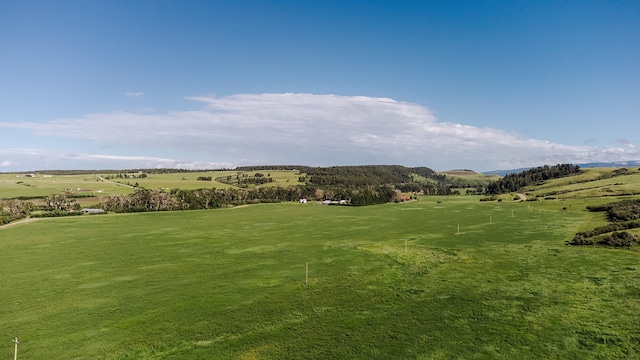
x=458 y=228
x=306 y=276
x=15 y=354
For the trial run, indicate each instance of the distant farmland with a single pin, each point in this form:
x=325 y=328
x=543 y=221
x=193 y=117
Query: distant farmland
x=96 y=186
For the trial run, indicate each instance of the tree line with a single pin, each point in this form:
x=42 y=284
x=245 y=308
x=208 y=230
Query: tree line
x=53 y=205
x=516 y=181
x=143 y=200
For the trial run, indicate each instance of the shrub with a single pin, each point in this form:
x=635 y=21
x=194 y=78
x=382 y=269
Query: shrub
x=56 y=213
x=618 y=239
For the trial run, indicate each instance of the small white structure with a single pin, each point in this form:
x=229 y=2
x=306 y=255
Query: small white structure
x=92 y=211
x=303 y=201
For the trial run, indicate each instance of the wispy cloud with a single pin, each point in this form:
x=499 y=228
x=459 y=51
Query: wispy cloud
x=42 y=159
x=134 y=94
x=625 y=142
x=317 y=130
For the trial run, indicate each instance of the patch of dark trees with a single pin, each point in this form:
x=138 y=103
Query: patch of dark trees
x=244 y=180
x=362 y=175
x=14 y=209
x=622 y=215
x=535 y=176
x=366 y=176
x=51 y=206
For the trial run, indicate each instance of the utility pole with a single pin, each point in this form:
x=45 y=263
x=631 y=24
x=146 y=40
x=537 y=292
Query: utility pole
x=15 y=353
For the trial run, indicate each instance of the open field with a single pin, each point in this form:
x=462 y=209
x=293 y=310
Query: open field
x=189 y=180
x=596 y=182
x=16 y=185
x=393 y=281
x=464 y=179
x=470 y=175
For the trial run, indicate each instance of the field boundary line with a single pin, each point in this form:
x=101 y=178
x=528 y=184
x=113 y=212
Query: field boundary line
x=18 y=222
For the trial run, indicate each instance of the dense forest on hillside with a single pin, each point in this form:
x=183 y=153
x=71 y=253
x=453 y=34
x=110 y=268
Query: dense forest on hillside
x=338 y=178
x=364 y=175
x=534 y=176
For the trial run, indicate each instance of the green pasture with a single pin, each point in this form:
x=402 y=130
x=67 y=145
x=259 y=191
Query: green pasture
x=99 y=185
x=471 y=176
x=16 y=185
x=185 y=180
x=190 y=180
x=591 y=183
x=439 y=278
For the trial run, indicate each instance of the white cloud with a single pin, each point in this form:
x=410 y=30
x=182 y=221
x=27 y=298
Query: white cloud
x=625 y=142
x=44 y=159
x=316 y=130
x=134 y=94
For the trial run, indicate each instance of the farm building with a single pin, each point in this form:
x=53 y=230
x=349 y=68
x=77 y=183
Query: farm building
x=92 y=211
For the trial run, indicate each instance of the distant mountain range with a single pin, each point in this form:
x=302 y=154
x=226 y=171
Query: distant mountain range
x=587 y=165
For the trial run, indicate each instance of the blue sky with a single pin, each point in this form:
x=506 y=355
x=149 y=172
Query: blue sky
x=481 y=85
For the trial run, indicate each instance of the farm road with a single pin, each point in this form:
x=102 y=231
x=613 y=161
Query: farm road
x=114 y=182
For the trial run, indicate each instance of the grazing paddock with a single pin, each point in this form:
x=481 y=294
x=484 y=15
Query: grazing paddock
x=392 y=281
x=17 y=185
x=591 y=183
x=13 y=185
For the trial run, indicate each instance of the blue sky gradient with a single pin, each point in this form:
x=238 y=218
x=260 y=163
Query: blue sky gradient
x=481 y=85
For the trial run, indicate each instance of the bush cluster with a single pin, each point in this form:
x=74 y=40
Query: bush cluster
x=622 y=215
x=56 y=213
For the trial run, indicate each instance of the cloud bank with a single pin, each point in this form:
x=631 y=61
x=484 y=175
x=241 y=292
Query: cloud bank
x=304 y=129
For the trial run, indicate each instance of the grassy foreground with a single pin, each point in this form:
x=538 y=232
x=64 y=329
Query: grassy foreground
x=395 y=281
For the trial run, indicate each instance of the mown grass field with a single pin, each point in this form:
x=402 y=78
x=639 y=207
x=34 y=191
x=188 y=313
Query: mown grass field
x=15 y=185
x=93 y=187
x=470 y=175
x=189 y=180
x=394 y=281
x=591 y=183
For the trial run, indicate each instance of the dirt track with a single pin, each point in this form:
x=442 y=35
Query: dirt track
x=27 y=220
